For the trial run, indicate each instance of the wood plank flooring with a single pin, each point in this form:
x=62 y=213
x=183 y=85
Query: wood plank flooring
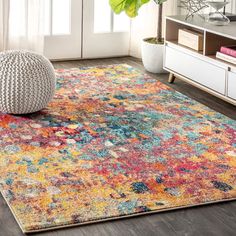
x=211 y=220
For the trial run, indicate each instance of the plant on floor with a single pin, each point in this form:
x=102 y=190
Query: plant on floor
x=152 y=48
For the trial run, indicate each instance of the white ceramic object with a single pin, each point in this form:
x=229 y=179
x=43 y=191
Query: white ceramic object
x=152 y=57
x=27 y=82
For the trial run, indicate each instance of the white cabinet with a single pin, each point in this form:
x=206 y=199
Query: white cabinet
x=201 y=68
x=196 y=69
x=232 y=85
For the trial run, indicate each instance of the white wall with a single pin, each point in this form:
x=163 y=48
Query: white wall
x=145 y=24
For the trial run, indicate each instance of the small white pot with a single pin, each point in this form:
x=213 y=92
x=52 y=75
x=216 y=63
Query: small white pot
x=152 y=57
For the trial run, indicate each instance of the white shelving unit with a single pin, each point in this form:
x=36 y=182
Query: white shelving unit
x=201 y=68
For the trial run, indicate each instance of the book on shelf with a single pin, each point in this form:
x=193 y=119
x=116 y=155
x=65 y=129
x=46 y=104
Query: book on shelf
x=229 y=50
x=226 y=57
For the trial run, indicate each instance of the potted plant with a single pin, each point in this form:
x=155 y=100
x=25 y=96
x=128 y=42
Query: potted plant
x=152 y=48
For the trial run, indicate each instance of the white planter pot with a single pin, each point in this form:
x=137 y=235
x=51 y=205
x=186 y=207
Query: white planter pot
x=152 y=57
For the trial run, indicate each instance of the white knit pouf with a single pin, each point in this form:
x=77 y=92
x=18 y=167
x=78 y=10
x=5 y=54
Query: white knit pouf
x=27 y=82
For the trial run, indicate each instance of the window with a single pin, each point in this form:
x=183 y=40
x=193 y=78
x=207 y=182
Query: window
x=106 y=22
x=56 y=16
x=60 y=17
x=121 y=23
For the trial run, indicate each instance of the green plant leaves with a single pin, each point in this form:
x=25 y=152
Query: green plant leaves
x=131 y=7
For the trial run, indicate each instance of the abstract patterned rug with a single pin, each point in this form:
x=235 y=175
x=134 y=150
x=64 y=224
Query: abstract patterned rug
x=113 y=143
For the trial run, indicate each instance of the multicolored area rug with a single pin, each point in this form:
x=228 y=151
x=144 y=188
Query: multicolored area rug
x=113 y=143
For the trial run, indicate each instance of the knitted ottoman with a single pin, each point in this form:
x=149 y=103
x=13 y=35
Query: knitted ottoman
x=27 y=82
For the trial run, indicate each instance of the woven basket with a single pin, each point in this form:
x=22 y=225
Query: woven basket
x=27 y=82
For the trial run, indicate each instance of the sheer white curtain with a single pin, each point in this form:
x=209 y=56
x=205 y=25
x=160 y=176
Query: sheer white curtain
x=4 y=17
x=145 y=24
x=22 y=24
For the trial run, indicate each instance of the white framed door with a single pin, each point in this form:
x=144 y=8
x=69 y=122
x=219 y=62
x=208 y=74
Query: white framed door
x=63 y=29
x=104 y=34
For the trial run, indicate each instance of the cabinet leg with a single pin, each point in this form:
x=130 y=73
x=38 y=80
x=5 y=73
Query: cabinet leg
x=171 y=78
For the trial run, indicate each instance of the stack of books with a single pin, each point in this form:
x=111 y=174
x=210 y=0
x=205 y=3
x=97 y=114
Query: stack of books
x=227 y=53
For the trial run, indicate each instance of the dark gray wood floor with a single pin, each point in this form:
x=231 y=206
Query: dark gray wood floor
x=211 y=220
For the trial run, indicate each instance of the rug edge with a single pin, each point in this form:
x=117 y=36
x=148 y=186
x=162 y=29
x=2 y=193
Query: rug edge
x=13 y=213
x=127 y=216
x=111 y=218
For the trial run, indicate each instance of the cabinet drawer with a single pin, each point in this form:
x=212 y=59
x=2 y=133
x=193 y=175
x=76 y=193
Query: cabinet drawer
x=232 y=85
x=196 y=69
